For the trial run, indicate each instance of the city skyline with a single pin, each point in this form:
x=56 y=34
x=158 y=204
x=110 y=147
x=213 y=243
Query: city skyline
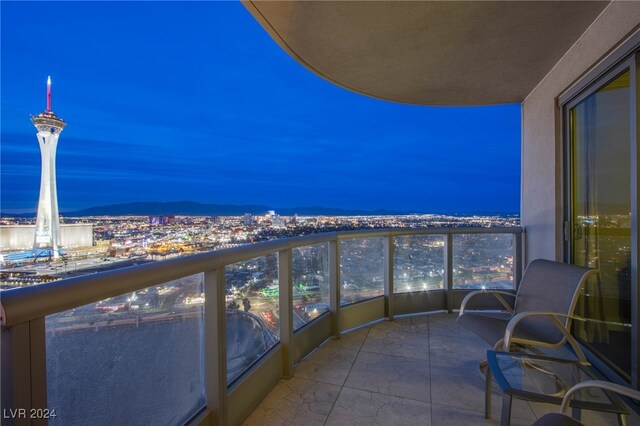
x=215 y=112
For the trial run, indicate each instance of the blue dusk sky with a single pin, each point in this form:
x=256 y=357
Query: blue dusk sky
x=194 y=101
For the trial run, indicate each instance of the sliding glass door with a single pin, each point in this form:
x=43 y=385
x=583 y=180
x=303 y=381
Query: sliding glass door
x=599 y=215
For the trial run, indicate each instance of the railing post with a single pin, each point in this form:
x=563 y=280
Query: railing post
x=19 y=368
x=517 y=259
x=388 y=277
x=334 y=286
x=27 y=369
x=285 y=301
x=448 y=270
x=215 y=341
x=38 y=341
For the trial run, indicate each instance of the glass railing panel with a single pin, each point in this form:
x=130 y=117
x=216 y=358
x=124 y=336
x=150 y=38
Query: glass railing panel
x=482 y=261
x=361 y=269
x=131 y=359
x=253 y=315
x=418 y=263
x=310 y=267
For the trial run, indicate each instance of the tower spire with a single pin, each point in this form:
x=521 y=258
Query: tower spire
x=48 y=93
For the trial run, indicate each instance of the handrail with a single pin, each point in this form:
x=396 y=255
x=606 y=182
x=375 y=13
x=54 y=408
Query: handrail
x=29 y=303
x=401 y=232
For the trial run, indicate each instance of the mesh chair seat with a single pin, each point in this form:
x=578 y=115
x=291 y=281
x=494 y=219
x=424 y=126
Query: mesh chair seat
x=491 y=327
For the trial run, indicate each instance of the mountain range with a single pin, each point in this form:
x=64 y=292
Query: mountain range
x=191 y=208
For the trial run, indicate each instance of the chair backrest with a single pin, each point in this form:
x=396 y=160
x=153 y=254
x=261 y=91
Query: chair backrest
x=550 y=287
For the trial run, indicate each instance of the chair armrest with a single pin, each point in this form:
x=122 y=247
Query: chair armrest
x=612 y=387
x=553 y=317
x=496 y=293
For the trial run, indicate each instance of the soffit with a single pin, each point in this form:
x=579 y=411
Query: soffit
x=429 y=52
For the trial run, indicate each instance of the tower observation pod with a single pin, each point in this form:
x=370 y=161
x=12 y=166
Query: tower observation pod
x=49 y=127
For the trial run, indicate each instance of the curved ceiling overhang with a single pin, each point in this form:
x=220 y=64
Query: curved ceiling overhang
x=429 y=52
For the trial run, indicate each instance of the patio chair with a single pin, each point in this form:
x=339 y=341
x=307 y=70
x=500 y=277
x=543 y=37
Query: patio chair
x=541 y=313
x=563 y=419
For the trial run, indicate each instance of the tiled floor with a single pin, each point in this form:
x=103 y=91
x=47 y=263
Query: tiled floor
x=421 y=370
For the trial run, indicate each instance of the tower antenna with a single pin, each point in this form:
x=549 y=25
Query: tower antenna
x=49 y=94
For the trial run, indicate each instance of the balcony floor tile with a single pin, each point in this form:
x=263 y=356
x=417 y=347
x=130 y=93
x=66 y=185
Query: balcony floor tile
x=411 y=342
x=328 y=365
x=358 y=407
x=390 y=375
x=420 y=370
x=296 y=401
x=446 y=325
x=442 y=415
x=444 y=349
x=352 y=341
x=459 y=384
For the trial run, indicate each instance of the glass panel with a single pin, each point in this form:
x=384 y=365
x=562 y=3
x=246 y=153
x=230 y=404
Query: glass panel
x=418 y=263
x=361 y=269
x=253 y=317
x=131 y=359
x=310 y=283
x=601 y=218
x=483 y=261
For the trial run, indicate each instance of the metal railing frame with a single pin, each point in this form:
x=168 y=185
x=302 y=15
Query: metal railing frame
x=23 y=310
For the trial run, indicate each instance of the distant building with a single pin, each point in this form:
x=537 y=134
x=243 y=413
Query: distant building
x=162 y=220
x=248 y=220
x=20 y=237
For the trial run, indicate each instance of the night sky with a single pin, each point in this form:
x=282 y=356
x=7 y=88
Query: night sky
x=194 y=101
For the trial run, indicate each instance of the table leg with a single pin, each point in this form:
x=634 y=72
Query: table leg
x=505 y=419
x=487 y=393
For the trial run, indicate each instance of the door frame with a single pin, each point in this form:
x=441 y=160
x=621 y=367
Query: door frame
x=588 y=87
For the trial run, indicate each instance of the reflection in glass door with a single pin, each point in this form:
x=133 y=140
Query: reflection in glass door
x=600 y=218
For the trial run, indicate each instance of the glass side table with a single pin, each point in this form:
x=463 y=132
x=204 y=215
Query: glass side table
x=544 y=379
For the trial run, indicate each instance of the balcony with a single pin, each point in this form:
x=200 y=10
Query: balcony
x=418 y=370
x=337 y=328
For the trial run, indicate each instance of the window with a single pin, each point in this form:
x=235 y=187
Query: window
x=599 y=214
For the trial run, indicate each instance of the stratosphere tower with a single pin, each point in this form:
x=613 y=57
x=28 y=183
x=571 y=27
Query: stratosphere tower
x=49 y=127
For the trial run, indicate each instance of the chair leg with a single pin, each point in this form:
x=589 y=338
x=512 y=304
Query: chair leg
x=622 y=420
x=487 y=394
x=505 y=419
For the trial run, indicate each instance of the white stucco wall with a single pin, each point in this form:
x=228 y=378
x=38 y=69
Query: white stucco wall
x=542 y=192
